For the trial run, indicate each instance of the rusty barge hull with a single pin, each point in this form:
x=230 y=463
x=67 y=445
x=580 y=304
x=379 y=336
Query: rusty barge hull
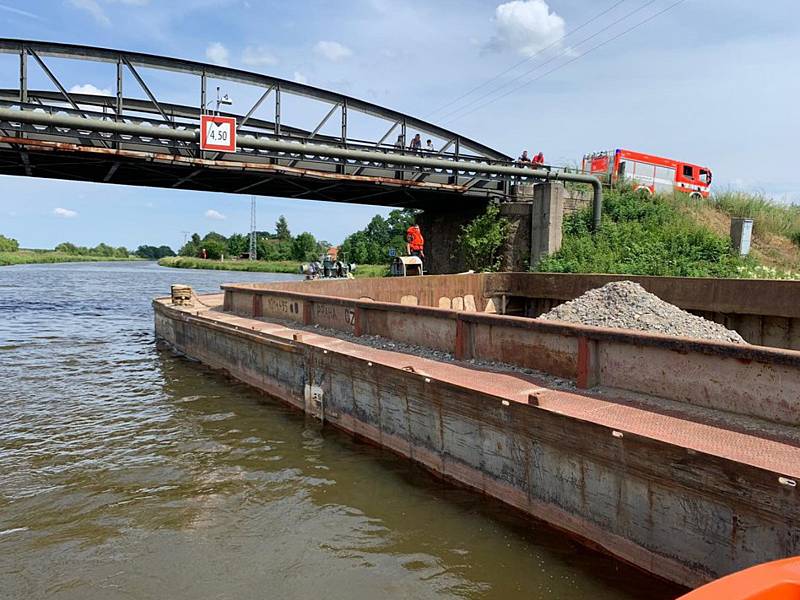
x=688 y=494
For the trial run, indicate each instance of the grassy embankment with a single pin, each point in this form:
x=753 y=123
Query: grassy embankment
x=678 y=236
x=262 y=266
x=27 y=257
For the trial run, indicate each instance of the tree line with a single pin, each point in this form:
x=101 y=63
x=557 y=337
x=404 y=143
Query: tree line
x=8 y=244
x=277 y=246
x=372 y=245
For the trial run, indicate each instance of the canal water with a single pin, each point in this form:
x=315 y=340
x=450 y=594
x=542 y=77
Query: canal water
x=128 y=472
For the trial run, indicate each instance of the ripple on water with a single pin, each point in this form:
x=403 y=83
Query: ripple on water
x=126 y=471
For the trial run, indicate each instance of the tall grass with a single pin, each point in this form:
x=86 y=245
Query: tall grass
x=27 y=257
x=260 y=266
x=769 y=216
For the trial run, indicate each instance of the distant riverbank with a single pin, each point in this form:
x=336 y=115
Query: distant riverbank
x=29 y=257
x=262 y=266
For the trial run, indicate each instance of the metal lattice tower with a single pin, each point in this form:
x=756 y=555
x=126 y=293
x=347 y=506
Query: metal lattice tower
x=253 y=249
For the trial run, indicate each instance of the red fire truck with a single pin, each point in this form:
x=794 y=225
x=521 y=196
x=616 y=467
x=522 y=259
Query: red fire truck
x=648 y=173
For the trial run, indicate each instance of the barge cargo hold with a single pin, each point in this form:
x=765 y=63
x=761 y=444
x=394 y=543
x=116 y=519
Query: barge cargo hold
x=679 y=456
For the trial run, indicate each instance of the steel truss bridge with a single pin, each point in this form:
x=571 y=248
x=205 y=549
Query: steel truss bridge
x=146 y=141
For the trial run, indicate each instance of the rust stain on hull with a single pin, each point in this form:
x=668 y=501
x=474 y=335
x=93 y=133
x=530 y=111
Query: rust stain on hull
x=655 y=490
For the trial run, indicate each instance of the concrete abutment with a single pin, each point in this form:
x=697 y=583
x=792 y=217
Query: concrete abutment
x=535 y=216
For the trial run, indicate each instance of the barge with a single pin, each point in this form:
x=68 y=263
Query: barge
x=676 y=455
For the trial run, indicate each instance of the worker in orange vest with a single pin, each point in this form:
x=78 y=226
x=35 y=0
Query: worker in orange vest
x=415 y=243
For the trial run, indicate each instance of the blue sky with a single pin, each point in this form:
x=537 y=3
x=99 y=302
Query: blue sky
x=708 y=81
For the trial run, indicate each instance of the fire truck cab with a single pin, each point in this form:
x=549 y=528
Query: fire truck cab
x=653 y=174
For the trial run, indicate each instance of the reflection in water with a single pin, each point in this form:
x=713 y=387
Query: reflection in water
x=126 y=471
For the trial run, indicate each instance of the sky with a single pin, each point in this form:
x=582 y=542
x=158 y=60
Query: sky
x=713 y=82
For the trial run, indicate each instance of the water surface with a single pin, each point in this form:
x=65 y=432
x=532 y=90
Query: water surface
x=128 y=472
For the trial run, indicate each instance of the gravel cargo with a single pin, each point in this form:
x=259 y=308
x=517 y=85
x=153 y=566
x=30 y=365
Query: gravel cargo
x=627 y=305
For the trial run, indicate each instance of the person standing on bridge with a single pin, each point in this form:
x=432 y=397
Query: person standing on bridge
x=415 y=243
x=416 y=143
x=524 y=158
x=538 y=160
x=429 y=146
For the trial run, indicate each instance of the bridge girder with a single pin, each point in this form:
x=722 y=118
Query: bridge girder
x=117 y=138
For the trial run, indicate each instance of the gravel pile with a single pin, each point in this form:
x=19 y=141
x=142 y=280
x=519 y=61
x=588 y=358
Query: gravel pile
x=627 y=305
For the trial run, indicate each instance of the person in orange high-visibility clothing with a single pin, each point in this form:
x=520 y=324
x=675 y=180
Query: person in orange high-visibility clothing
x=415 y=243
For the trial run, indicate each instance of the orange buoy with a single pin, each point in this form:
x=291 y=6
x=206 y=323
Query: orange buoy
x=777 y=580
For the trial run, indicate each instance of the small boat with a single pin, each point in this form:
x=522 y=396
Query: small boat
x=776 y=580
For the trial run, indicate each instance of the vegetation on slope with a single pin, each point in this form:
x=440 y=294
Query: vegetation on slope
x=769 y=217
x=644 y=235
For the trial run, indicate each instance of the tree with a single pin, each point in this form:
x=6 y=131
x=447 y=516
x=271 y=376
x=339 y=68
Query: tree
x=214 y=248
x=282 y=229
x=304 y=247
x=217 y=237
x=153 y=253
x=481 y=239
x=273 y=249
x=192 y=247
x=371 y=245
x=8 y=244
x=102 y=250
x=67 y=248
x=238 y=244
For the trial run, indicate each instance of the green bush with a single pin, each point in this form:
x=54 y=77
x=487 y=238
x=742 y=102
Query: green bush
x=8 y=244
x=481 y=239
x=642 y=235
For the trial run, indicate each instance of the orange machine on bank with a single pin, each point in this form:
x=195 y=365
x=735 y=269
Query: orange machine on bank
x=648 y=173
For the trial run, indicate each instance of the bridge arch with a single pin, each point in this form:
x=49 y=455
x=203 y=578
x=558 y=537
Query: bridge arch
x=118 y=138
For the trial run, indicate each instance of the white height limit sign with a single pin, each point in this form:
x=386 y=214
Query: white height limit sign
x=218 y=133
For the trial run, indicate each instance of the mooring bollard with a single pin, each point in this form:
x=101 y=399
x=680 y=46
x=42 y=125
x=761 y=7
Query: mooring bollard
x=181 y=294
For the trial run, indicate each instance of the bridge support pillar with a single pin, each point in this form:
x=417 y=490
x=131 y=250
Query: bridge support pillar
x=535 y=216
x=547 y=216
x=534 y=224
x=441 y=227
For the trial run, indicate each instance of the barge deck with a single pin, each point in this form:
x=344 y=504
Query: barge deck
x=688 y=484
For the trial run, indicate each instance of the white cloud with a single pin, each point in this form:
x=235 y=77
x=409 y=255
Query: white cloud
x=213 y=214
x=300 y=78
x=93 y=8
x=88 y=88
x=526 y=26
x=218 y=54
x=333 y=50
x=65 y=213
x=258 y=56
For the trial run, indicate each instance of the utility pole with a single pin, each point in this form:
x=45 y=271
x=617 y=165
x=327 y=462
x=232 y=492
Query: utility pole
x=253 y=248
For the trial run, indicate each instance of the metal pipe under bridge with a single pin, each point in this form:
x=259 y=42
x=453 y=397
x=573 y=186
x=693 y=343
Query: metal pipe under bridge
x=147 y=141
